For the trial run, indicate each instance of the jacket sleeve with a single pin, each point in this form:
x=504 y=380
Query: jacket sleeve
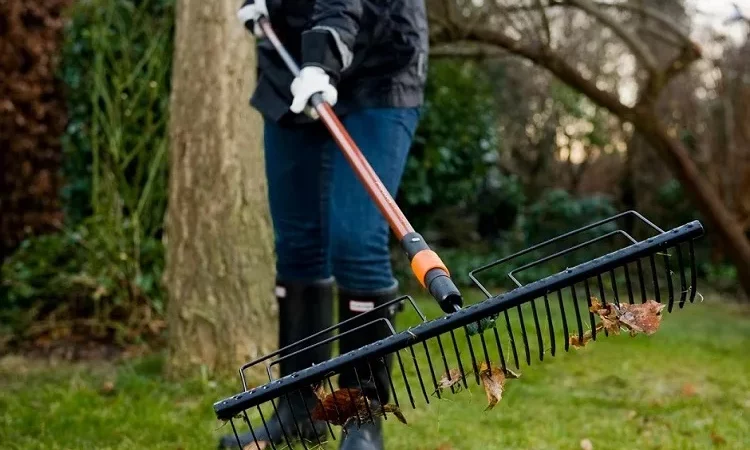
x=329 y=42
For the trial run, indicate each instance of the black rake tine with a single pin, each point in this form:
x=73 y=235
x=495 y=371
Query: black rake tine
x=683 y=280
x=265 y=425
x=429 y=363
x=655 y=277
x=566 y=332
x=523 y=335
x=237 y=436
x=445 y=365
x=670 y=284
x=377 y=394
x=252 y=432
x=512 y=340
x=390 y=382
x=283 y=430
x=362 y=390
x=539 y=339
x=500 y=350
x=458 y=359
x=693 y=271
x=631 y=297
x=309 y=416
x=406 y=381
x=294 y=419
x=419 y=374
x=550 y=324
x=473 y=358
x=354 y=405
x=613 y=281
x=335 y=403
x=486 y=353
x=578 y=312
x=639 y=266
x=588 y=302
x=603 y=298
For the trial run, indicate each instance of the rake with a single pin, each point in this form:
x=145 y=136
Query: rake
x=538 y=317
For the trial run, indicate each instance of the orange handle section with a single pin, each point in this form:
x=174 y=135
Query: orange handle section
x=423 y=262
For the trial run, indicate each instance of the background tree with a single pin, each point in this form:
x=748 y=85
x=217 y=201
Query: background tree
x=219 y=269
x=548 y=34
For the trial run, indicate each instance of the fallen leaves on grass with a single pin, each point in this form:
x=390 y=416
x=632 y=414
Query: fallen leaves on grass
x=345 y=405
x=717 y=439
x=586 y=444
x=255 y=445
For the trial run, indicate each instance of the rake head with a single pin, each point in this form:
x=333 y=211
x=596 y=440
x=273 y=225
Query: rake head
x=619 y=278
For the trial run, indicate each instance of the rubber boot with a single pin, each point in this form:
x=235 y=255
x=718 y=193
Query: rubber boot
x=304 y=309
x=372 y=378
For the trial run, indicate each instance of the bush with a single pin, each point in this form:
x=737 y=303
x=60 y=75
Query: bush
x=75 y=282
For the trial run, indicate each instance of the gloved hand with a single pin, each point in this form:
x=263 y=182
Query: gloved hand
x=311 y=80
x=251 y=11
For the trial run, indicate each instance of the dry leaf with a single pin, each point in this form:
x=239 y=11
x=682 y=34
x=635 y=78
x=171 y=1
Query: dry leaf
x=108 y=387
x=451 y=378
x=255 y=445
x=586 y=444
x=576 y=342
x=494 y=384
x=717 y=440
x=688 y=390
x=641 y=318
x=345 y=405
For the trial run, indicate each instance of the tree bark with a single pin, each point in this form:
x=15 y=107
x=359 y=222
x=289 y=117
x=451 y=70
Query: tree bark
x=219 y=258
x=708 y=201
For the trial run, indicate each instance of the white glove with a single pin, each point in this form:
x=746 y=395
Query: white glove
x=311 y=80
x=249 y=14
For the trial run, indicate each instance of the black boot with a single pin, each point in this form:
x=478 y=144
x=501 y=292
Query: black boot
x=304 y=309
x=373 y=379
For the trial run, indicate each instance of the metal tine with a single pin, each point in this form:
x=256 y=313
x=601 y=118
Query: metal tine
x=486 y=353
x=683 y=280
x=312 y=423
x=631 y=297
x=458 y=359
x=639 y=266
x=512 y=340
x=613 y=282
x=252 y=432
x=362 y=390
x=335 y=403
x=602 y=296
x=237 y=436
x=406 y=380
x=296 y=423
x=578 y=312
x=670 y=284
x=523 y=335
x=354 y=405
x=550 y=324
x=540 y=340
x=693 y=271
x=429 y=363
x=390 y=381
x=500 y=349
x=377 y=393
x=265 y=425
x=588 y=302
x=655 y=277
x=566 y=332
x=471 y=353
x=283 y=429
x=445 y=366
x=419 y=374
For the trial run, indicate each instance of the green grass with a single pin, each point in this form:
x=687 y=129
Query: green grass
x=619 y=392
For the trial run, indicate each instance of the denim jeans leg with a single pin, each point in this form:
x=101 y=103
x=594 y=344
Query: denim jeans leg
x=298 y=169
x=359 y=232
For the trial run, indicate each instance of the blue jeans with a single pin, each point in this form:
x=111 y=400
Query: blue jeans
x=325 y=223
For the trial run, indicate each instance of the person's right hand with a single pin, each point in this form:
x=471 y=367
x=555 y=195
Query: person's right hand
x=251 y=11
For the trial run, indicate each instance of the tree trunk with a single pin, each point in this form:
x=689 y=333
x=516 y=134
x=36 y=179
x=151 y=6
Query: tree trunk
x=719 y=218
x=219 y=268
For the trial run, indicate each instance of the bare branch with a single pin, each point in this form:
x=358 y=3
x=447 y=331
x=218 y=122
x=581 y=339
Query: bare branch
x=466 y=50
x=651 y=13
x=545 y=21
x=639 y=49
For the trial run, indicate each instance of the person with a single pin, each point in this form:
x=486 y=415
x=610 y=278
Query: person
x=368 y=59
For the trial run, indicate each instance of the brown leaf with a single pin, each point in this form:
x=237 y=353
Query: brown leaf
x=494 y=384
x=688 y=390
x=641 y=318
x=450 y=378
x=108 y=387
x=717 y=440
x=346 y=405
x=255 y=445
x=576 y=342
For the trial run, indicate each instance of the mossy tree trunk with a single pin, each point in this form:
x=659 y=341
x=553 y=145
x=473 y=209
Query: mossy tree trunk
x=219 y=270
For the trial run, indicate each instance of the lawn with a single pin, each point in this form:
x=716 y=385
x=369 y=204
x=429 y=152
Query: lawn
x=686 y=387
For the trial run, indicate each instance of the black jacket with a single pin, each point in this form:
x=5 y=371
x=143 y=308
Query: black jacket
x=374 y=50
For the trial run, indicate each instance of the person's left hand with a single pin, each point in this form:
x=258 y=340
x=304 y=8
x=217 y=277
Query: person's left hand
x=311 y=80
